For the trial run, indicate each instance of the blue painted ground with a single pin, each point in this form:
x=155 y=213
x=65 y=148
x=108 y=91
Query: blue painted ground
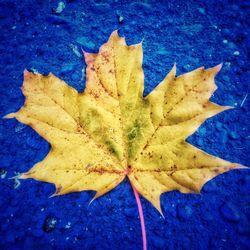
x=190 y=33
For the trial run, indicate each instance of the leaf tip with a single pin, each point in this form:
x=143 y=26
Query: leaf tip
x=217 y=68
x=173 y=70
x=24 y=176
x=85 y=53
x=57 y=192
x=27 y=74
x=114 y=35
x=239 y=166
x=95 y=197
x=228 y=107
x=141 y=42
x=9 y=116
x=161 y=213
x=157 y=205
x=53 y=195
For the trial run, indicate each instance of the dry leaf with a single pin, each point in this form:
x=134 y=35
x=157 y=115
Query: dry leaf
x=111 y=131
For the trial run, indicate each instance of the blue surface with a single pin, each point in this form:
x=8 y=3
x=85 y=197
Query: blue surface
x=190 y=33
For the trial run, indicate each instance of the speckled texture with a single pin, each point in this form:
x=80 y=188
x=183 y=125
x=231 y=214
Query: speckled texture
x=190 y=33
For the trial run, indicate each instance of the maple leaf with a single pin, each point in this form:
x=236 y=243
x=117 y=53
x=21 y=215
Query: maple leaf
x=111 y=131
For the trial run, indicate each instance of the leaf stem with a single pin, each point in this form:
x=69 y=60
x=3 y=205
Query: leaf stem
x=143 y=229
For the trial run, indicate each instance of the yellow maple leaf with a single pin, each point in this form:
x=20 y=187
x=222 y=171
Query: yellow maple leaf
x=111 y=131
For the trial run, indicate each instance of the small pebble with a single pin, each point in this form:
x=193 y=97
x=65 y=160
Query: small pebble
x=202 y=131
x=202 y=10
x=119 y=17
x=17 y=183
x=200 y=142
x=49 y=224
x=75 y=50
x=236 y=53
x=82 y=40
x=68 y=225
x=233 y=135
x=67 y=68
x=60 y=7
x=226 y=78
x=19 y=127
x=3 y=173
x=219 y=126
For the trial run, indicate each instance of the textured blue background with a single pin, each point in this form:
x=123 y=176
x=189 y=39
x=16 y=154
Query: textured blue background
x=190 y=33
